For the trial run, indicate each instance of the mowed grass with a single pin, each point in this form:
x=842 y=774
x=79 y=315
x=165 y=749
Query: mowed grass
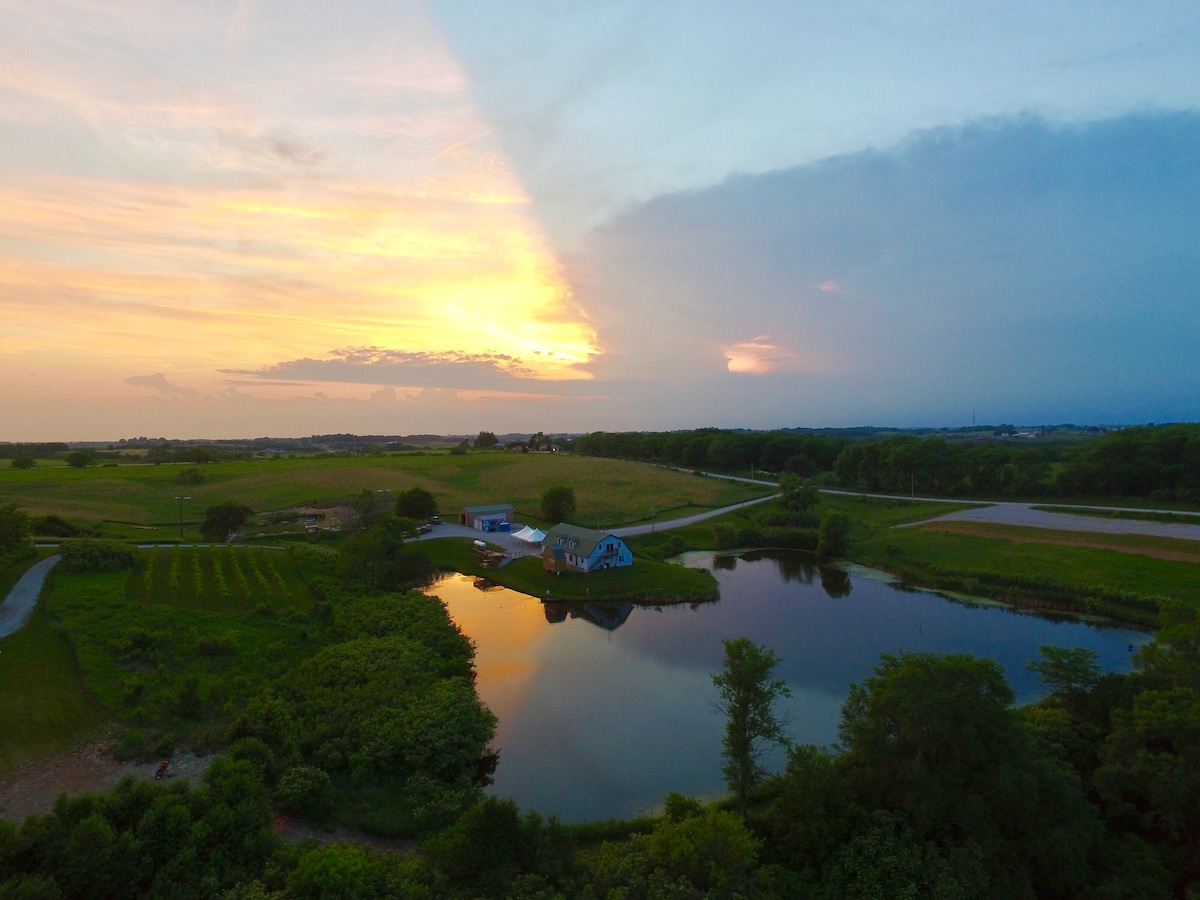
x=44 y=706
x=142 y=497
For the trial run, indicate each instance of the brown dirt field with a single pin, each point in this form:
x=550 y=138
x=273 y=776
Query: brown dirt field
x=1158 y=548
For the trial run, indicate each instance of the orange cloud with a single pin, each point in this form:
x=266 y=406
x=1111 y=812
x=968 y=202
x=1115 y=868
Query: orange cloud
x=761 y=356
x=233 y=220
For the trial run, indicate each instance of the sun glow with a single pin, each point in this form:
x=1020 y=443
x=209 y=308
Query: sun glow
x=323 y=208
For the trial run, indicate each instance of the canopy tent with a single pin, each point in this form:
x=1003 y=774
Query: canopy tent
x=530 y=535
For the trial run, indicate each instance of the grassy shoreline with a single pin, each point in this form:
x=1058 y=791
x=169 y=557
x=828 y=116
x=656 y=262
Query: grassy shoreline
x=646 y=581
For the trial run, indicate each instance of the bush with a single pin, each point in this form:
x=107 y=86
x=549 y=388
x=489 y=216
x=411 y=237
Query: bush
x=834 y=536
x=306 y=791
x=55 y=526
x=90 y=557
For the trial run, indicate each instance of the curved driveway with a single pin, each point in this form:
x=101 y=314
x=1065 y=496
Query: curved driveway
x=21 y=599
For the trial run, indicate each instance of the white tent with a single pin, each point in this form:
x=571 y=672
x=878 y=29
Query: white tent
x=530 y=535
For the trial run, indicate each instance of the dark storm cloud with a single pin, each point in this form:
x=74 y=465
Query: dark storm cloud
x=1034 y=271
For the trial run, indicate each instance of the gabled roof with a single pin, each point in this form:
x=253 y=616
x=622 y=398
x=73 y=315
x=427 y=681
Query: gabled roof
x=578 y=540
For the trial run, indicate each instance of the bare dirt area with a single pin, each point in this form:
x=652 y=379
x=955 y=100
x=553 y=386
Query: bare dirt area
x=1156 y=548
x=33 y=788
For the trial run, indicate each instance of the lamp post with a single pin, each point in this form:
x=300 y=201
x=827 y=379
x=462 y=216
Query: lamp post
x=181 y=499
x=652 y=520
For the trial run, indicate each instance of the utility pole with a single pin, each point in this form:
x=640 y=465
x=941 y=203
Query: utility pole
x=181 y=499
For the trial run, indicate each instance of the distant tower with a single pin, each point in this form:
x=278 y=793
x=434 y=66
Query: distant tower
x=972 y=417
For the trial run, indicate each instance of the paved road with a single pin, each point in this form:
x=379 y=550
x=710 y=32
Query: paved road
x=1025 y=515
x=21 y=599
x=632 y=530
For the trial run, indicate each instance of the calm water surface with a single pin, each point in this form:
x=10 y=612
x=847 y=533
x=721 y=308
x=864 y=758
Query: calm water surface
x=604 y=709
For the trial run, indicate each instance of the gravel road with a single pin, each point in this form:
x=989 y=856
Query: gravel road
x=22 y=598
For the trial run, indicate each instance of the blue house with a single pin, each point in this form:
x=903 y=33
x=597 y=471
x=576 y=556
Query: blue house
x=570 y=548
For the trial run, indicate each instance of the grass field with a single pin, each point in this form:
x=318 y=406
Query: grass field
x=138 y=501
x=1038 y=570
x=169 y=648
x=44 y=706
x=888 y=511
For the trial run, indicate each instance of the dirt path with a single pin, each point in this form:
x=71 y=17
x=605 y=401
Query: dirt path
x=23 y=597
x=33 y=788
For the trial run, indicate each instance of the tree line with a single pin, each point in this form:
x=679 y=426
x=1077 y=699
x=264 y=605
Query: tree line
x=1161 y=463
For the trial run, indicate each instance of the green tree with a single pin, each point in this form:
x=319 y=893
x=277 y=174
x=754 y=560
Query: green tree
x=492 y=848
x=14 y=528
x=833 y=539
x=416 y=503
x=558 y=503
x=78 y=459
x=935 y=740
x=485 y=441
x=1067 y=671
x=378 y=557
x=224 y=519
x=796 y=493
x=746 y=696
x=692 y=852
x=22 y=462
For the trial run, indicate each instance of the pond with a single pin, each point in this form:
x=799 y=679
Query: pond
x=605 y=708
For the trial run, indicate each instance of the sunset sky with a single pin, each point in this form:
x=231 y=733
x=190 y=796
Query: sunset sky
x=237 y=219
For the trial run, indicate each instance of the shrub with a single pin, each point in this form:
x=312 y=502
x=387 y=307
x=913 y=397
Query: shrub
x=307 y=791
x=834 y=536
x=90 y=556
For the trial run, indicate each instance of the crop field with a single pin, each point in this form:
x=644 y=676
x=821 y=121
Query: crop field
x=187 y=635
x=139 y=501
x=218 y=578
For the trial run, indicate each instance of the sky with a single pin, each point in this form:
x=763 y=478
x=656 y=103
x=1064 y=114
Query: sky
x=257 y=218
